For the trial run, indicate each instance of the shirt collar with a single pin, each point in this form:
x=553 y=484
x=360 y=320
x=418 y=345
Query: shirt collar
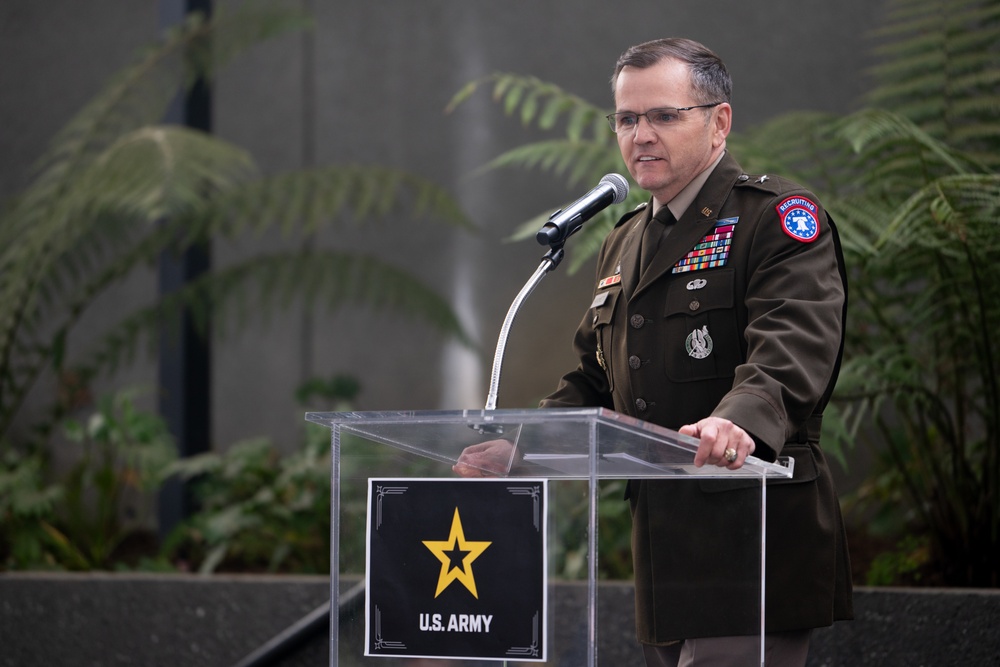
x=679 y=204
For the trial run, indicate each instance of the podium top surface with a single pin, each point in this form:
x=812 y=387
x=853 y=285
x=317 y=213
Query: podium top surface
x=554 y=442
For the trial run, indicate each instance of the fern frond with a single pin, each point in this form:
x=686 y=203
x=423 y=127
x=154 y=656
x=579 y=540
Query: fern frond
x=302 y=201
x=147 y=174
x=159 y=172
x=798 y=145
x=942 y=71
x=872 y=126
x=963 y=209
x=577 y=162
x=265 y=285
x=537 y=102
x=139 y=95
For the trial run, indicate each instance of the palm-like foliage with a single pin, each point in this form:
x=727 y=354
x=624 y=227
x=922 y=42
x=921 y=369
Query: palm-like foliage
x=915 y=187
x=116 y=190
x=913 y=183
x=586 y=153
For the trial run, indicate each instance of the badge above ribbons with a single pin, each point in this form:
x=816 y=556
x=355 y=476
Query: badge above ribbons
x=456 y=569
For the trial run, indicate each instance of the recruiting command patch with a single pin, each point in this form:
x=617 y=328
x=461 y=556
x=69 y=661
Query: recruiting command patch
x=799 y=218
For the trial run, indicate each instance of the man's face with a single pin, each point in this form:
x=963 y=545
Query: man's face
x=663 y=160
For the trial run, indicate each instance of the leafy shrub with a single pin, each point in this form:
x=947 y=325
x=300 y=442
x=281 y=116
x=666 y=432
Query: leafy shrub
x=259 y=511
x=27 y=505
x=119 y=456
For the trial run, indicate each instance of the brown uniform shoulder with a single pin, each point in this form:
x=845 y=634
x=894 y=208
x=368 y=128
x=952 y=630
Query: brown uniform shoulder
x=631 y=214
x=768 y=184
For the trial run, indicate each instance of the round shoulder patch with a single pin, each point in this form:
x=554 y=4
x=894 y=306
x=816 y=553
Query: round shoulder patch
x=799 y=218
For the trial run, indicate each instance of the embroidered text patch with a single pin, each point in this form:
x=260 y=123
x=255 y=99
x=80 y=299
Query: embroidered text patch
x=799 y=218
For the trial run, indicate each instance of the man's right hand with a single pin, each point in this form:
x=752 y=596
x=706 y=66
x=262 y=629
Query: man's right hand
x=487 y=459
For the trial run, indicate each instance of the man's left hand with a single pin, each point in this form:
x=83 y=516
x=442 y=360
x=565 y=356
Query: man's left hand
x=719 y=438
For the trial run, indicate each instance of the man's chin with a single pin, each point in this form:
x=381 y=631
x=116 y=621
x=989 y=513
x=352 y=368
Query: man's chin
x=650 y=178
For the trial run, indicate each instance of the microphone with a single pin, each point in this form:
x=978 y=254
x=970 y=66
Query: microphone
x=562 y=224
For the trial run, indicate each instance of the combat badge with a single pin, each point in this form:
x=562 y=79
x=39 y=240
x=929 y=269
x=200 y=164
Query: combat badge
x=799 y=218
x=699 y=344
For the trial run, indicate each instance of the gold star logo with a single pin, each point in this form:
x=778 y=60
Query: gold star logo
x=456 y=555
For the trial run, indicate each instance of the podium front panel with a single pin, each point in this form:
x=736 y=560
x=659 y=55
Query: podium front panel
x=583 y=454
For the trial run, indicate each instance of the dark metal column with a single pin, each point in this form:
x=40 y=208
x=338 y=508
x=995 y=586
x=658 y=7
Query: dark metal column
x=185 y=359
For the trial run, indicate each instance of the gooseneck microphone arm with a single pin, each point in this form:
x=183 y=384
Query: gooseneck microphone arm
x=612 y=189
x=549 y=261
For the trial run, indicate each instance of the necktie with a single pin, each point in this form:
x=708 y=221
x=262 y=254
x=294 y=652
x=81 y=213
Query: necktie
x=656 y=230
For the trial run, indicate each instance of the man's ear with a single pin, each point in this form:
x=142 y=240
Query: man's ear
x=723 y=120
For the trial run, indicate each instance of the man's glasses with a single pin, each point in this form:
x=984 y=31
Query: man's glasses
x=658 y=118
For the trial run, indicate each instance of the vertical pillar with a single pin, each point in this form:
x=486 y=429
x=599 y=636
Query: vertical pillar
x=185 y=360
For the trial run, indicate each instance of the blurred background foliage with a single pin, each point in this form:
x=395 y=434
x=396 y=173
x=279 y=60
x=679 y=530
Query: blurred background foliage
x=911 y=179
x=116 y=191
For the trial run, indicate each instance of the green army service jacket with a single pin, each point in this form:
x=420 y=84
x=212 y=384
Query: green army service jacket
x=739 y=315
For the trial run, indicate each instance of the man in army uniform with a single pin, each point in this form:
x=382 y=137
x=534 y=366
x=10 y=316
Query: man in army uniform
x=727 y=324
x=718 y=311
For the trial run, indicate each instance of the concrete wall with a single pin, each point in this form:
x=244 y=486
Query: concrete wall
x=106 y=620
x=369 y=86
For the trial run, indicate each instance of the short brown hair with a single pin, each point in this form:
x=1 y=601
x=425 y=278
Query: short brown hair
x=709 y=77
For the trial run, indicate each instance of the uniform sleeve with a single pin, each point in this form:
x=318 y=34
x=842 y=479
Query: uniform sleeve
x=795 y=303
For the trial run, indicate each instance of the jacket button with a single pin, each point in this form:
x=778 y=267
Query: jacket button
x=634 y=362
x=694 y=305
x=640 y=405
x=637 y=321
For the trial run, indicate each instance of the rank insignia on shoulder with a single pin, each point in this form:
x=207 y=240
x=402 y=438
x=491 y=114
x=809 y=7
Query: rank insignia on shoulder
x=799 y=218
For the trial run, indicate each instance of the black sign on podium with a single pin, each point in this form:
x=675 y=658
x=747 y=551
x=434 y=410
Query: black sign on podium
x=456 y=569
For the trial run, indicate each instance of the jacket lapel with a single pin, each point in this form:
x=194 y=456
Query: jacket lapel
x=629 y=258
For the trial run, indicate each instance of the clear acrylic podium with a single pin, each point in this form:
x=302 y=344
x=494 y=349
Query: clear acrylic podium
x=575 y=449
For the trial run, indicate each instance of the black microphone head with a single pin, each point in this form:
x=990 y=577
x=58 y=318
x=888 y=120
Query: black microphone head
x=565 y=222
x=619 y=185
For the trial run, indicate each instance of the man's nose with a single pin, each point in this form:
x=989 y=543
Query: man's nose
x=643 y=133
